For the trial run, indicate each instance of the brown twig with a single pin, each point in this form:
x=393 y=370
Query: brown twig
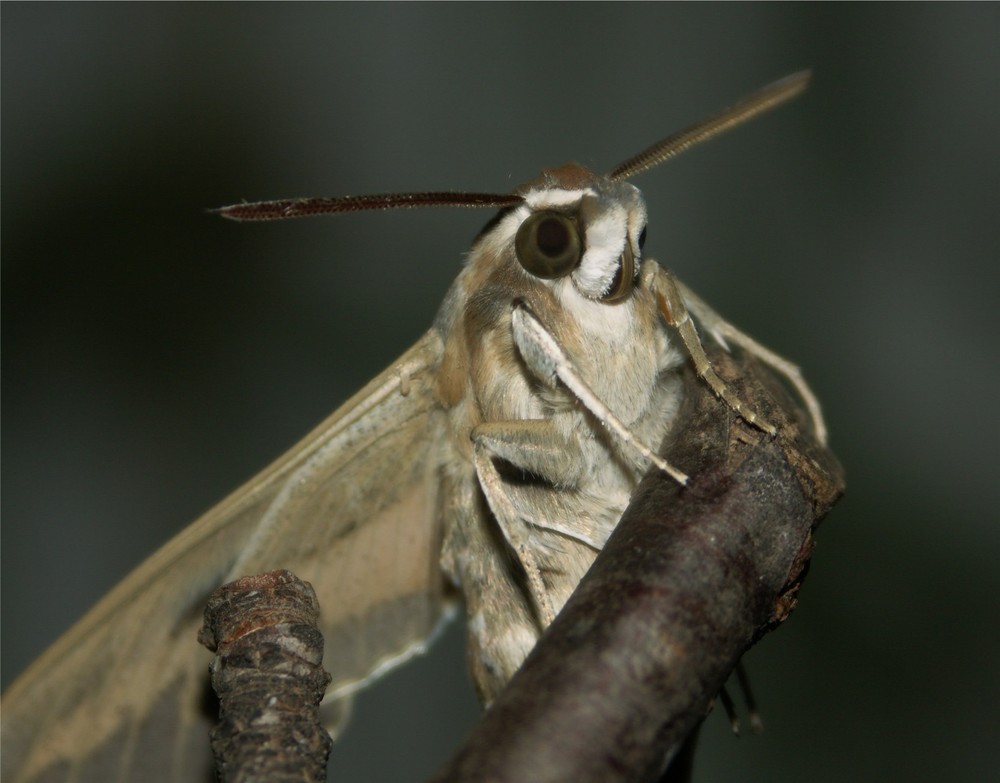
x=268 y=674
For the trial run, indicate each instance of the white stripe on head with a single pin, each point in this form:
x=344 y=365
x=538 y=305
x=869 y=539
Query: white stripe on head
x=551 y=198
x=607 y=228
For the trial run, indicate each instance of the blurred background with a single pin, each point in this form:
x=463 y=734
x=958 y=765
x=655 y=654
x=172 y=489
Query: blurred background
x=154 y=357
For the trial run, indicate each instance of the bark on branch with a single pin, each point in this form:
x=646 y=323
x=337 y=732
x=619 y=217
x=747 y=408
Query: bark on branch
x=268 y=674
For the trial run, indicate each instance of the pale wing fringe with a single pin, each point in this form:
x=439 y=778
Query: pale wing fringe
x=119 y=695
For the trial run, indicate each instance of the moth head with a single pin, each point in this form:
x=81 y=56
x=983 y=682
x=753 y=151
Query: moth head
x=585 y=228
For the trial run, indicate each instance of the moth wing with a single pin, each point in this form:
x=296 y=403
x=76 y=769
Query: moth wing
x=352 y=509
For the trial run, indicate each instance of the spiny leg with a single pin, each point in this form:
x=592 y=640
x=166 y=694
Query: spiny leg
x=671 y=304
x=538 y=449
x=722 y=330
x=533 y=445
x=547 y=360
x=514 y=531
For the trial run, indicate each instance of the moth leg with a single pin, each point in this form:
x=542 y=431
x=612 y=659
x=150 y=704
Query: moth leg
x=674 y=311
x=541 y=454
x=547 y=360
x=722 y=330
x=514 y=530
x=534 y=446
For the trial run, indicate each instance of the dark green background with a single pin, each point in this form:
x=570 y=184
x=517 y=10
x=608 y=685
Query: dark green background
x=154 y=356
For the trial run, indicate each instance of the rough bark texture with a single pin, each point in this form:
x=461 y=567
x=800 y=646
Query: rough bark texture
x=690 y=579
x=268 y=675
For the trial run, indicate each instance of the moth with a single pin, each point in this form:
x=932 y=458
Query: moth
x=491 y=460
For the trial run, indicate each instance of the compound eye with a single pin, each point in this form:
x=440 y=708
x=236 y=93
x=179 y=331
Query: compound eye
x=548 y=244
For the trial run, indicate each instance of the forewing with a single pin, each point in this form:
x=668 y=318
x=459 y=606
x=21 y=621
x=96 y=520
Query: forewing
x=352 y=508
